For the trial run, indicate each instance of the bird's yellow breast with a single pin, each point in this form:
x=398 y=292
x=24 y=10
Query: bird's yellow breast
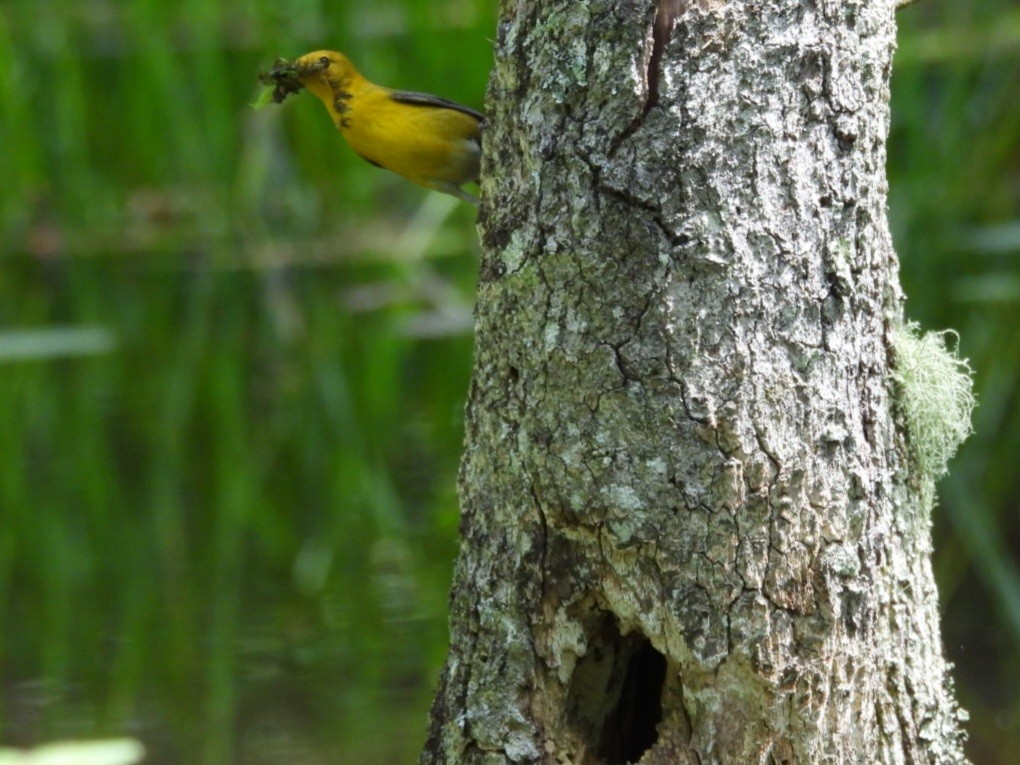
x=423 y=143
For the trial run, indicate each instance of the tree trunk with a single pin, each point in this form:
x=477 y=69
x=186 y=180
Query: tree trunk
x=691 y=532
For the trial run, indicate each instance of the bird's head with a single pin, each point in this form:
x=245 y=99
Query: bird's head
x=323 y=72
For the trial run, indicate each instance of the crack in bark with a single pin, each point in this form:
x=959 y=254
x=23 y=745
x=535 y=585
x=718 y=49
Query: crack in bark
x=664 y=18
x=666 y=14
x=543 y=537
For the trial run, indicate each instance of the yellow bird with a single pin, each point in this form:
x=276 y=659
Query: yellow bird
x=429 y=140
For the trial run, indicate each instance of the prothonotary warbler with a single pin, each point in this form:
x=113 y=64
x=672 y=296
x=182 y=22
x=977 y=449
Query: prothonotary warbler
x=429 y=140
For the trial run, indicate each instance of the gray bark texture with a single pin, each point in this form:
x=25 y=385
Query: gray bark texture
x=690 y=529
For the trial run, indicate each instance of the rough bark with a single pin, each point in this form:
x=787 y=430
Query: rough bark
x=690 y=529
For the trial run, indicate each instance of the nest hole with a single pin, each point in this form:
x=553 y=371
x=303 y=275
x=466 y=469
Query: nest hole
x=615 y=695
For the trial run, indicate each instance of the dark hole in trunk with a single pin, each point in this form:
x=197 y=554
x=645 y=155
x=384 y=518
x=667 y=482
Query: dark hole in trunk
x=615 y=698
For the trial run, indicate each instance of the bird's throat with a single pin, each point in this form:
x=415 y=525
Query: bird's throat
x=333 y=93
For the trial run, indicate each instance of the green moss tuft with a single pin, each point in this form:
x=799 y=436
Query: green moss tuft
x=935 y=393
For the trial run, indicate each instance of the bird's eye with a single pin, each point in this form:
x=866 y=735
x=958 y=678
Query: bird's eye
x=324 y=60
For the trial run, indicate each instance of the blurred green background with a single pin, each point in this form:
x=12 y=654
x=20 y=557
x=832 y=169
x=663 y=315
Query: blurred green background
x=233 y=359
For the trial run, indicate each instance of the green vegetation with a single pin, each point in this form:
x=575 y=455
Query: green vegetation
x=233 y=364
x=954 y=178
x=232 y=387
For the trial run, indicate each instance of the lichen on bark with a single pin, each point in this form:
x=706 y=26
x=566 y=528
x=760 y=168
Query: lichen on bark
x=681 y=430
